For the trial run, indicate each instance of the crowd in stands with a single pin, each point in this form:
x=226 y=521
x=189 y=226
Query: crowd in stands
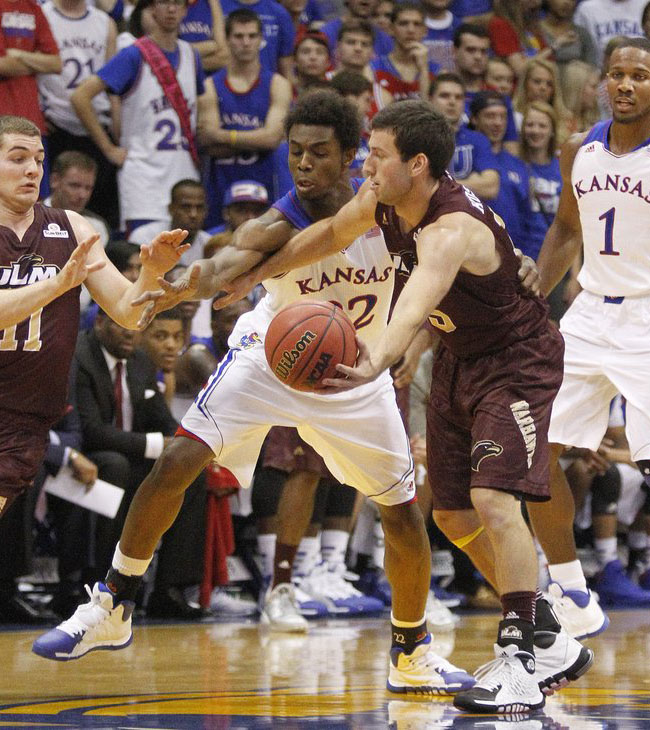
x=169 y=114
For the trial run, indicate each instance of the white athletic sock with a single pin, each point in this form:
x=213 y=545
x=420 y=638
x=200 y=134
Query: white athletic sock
x=307 y=555
x=637 y=539
x=568 y=575
x=333 y=545
x=605 y=550
x=378 y=549
x=129 y=566
x=266 y=553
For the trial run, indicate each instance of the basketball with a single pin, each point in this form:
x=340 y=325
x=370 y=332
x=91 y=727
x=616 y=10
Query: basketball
x=306 y=341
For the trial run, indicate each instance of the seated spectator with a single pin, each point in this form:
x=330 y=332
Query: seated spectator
x=163 y=341
x=357 y=89
x=568 y=41
x=357 y=10
x=606 y=19
x=473 y=163
x=311 y=61
x=381 y=18
x=441 y=26
x=540 y=81
x=203 y=27
x=645 y=20
x=244 y=200
x=515 y=33
x=72 y=181
x=406 y=72
x=187 y=210
x=580 y=90
x=489 y=115
x=538 y=150
x=500 y=76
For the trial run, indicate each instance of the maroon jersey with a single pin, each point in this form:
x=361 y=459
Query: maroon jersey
x=479 y=314
x=35 y=355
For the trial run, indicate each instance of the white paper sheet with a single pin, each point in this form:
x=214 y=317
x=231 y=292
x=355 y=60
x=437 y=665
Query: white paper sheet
x=102 y=497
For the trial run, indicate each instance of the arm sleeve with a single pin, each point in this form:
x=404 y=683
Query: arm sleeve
x=120 y=73
x=503 y=38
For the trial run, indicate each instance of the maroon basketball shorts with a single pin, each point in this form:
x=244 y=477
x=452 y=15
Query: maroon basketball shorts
x=286 y=451
x=487 y=421
x=23 y=441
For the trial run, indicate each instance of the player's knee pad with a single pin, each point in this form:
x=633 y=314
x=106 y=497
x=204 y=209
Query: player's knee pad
x=605 y=492
x=463 y=542
x=267 y=488
x=644 y=468
x=340 y=500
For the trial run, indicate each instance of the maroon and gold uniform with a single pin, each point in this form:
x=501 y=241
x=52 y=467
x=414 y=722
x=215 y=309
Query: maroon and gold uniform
x=496 y=373
x=35 y=355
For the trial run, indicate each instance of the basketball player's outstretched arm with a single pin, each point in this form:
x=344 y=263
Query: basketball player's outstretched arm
x=453 y=242
x=18 y=304
x=316 y=242
x=563 y=239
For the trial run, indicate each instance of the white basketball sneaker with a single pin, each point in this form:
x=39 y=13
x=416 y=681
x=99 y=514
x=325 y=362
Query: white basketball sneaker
x=99 y=624
x=439 y=617
x=559 y=659
x=578 y=611
x=425 y=672
x=505 y=685
x=281 y=611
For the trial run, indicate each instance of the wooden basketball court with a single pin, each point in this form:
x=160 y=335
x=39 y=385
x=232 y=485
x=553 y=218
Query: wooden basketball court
x=218 y=676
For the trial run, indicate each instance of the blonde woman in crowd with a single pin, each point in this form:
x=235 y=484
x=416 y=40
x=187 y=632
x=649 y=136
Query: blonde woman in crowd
x=580 y=92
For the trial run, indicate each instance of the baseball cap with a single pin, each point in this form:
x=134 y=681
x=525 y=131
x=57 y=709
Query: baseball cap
x=246 y=191
x=484 y=99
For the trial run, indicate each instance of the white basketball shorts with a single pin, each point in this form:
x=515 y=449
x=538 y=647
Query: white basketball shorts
x=607 y=351
x=359 y=434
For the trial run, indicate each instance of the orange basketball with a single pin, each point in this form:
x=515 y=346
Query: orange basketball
x=306 y=341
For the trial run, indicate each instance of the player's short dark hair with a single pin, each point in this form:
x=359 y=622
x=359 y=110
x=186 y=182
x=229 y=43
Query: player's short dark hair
x=241 y=16
x=469 y=29
x=173 y=313
x=185 y=183
x=119 y=252
x=10 y=124
x=326 y=108
x=418 y=128
x=134 y=25
x=399 y=8
x=350 y=82
x=643 y=44
x=446 y=77
x=73 y=158
x=356 y=25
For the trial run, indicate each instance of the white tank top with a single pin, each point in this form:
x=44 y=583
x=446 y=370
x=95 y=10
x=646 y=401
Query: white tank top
x=613 y=195
x=158 y=155
x=82 y=47
x=360 y=279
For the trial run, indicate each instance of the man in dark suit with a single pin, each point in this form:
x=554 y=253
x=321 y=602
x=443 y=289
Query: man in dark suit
x=125 y=423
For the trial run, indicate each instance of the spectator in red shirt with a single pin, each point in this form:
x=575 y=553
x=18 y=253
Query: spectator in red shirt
x=515 y=33
x=27 y=48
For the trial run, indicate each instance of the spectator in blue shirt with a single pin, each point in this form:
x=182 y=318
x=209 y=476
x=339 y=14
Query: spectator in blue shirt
x=473 y=163
x=358 y=10
x=488 y=114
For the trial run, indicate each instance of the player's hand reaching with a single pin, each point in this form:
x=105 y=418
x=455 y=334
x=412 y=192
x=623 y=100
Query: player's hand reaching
x=164 y=252
x=76 y=269
x=363 y=372
x=168 y=296
x=528 y=274
x=236 y=289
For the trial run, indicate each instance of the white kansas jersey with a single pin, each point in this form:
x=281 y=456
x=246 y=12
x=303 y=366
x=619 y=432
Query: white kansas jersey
x=360 y=279
x=157 y=152
x=82 y=47
x=613 y=195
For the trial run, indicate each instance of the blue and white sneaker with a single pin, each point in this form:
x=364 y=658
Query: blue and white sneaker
x=578 y=611
x=340 y=596
x=98 y=624
x=616 y=589
x=374 y=583
x=424 y=672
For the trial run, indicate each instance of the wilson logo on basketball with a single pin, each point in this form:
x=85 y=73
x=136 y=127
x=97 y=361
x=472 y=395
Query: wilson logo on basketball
x=290 y=357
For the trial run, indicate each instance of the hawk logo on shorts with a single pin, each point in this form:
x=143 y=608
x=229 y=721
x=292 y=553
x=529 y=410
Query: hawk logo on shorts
x=482 y=450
